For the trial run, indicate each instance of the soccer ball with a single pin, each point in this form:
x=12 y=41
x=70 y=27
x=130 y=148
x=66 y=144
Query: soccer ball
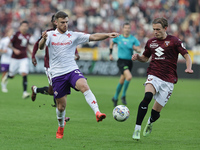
x=121 y=113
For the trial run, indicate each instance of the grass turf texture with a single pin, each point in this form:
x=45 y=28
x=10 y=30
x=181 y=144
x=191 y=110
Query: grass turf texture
x=32 y=125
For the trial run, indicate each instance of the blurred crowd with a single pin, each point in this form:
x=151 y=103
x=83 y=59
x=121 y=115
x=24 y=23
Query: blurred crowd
x=92 y=16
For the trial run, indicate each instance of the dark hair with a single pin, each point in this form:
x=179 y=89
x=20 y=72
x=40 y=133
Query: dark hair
x=53 y=18
x=126 y=23
x=61 y=14
x=162 y=21
x=23 y=22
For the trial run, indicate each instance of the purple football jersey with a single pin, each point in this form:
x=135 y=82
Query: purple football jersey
x=164 y=57
x=20 y=42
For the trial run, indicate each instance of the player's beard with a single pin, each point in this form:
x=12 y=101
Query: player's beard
x=63 y=30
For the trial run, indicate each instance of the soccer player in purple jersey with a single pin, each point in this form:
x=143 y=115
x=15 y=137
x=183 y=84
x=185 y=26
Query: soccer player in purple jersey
x=19 y=60
x=162 y=74
x=65 y=72
x=48 y=90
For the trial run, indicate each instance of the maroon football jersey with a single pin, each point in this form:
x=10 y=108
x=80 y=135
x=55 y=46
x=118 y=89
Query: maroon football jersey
x=164 y=57
x=20 y=42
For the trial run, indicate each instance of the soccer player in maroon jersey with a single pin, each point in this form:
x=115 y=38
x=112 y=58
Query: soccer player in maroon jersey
x=162 y=74
x=19 y=59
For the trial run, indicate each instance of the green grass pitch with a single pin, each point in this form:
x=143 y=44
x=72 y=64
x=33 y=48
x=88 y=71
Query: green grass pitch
x=27 y=125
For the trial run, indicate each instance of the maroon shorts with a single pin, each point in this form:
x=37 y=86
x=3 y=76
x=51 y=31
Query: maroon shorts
x=62 y=84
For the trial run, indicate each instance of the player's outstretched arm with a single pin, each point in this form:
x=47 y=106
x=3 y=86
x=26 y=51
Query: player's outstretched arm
x=188 y=64
x=102 y=36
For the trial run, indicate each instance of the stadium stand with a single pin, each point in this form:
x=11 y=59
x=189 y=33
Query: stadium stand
x=107 y=15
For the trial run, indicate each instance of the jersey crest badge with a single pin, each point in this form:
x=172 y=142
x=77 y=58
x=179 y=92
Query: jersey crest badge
x=69 y=35
x=167 y=43
x=55 y=93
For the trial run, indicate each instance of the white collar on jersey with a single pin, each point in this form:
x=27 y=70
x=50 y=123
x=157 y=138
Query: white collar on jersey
x=56 y=31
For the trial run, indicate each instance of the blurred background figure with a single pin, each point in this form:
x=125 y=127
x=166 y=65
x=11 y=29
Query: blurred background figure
x=6 y=53
x=126 y=44
x=19 y=60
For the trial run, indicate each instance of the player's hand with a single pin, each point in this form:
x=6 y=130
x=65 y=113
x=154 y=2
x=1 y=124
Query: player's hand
x=190 y=71
x=134 y=57
x=111 y=57
x=34 y=61
x=113 y=35
x=44 y=35
x=16 y=51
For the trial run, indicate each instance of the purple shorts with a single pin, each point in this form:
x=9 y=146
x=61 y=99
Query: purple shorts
x=4 y=67
x=62 y=84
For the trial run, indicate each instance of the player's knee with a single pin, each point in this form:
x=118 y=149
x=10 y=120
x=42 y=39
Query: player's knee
x=129 y=78
x=147 y=97
x=60 y=107
x=83 y=88
x=24 y=74
x=154 y=115
x=81 y=85
x=61 y=103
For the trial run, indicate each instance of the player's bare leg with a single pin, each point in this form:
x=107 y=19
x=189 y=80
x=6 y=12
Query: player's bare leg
x=4 y=83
